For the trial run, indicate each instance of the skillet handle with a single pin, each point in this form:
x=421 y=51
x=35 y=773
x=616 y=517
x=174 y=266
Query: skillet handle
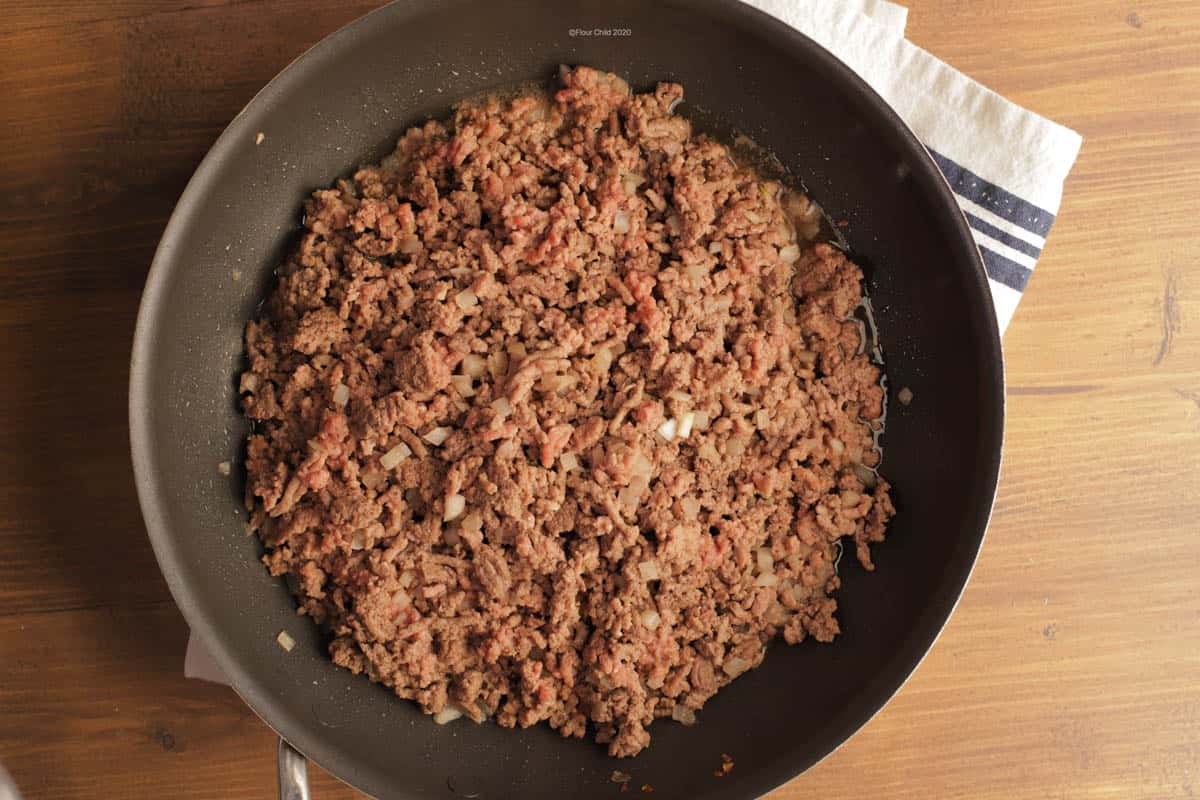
x=293 y=773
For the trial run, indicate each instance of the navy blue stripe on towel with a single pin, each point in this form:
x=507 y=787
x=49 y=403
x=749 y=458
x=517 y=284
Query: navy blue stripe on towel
x=1000 y=202
x=1004 y=270
x=1020 y=245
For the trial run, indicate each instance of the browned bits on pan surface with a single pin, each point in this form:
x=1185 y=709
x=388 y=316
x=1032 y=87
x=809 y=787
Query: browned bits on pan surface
x=556 y=418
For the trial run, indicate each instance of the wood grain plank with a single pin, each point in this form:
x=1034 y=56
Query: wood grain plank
x=102 y=704
x=98 y=146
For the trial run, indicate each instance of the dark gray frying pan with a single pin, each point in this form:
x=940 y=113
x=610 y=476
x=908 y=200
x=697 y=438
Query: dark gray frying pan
x=344 y=103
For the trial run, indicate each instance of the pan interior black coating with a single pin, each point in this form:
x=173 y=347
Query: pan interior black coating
x=343 y=104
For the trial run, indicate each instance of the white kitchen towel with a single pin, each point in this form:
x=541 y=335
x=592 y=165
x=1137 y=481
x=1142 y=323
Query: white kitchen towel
x=889 y=15
x=1005 y=164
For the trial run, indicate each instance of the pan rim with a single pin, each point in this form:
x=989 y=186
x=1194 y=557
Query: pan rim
x=154 y=502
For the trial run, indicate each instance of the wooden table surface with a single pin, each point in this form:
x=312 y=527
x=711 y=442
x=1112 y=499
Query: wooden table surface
x=1072 y=666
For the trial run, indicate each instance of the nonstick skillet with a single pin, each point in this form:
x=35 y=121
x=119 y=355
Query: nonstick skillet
x=343 y=103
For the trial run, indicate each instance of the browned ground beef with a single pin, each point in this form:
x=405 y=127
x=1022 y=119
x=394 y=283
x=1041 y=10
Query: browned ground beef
x=555 y=419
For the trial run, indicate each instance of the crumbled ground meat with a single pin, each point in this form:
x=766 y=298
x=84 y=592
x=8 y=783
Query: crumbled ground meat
x=557 y=419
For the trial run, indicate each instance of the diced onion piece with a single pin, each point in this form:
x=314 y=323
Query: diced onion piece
x=686 y=422
x=640 y=466
x=753 y=216
x=850 y=499
x=790 y=254
x=569 y=461
x=708 y=452
x=762 y=418
x=699 y=420
x=621 y=222
x=766 y=579
x=837 y=446
x=766 y=562
x=249 y=382
x=497 y=364
x=401 y=598
x=466 y=299
x=285 y=641
x=690 y=506
x=668 y=429
x=437 y=436
x=856 y=455
x=502 y=407
x=695 y=271
x=648 y=570
x=358 y=540
x=456 y=504
x=474 y=365
x=602 y=361
x=462 y=383
x=866 y=475
x=629 y=496
x=735 y=447
x=472 y=522
x=674 y=224
x=806 y=357
x=735 y=666
x=714 y=248
x=407 y=578
x=341 y=395
x=447 y=715
x=650 y=618
x=682 y=714
x=554 y=382
x=392 y=457
x=681 y=396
